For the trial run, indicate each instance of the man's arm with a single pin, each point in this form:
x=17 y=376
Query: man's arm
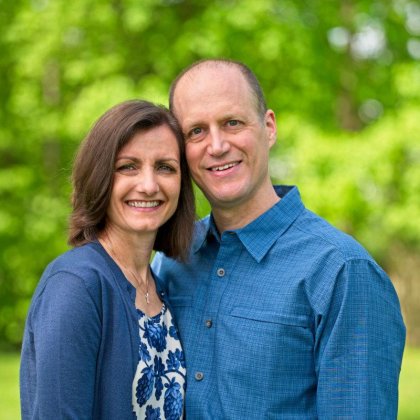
x=60 y=351
x=360 y=342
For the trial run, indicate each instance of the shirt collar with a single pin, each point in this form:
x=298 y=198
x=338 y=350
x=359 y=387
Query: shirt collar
x=259 y=235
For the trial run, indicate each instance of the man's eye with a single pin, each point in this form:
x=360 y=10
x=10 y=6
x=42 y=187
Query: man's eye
x=196 y=131
x=233 y=123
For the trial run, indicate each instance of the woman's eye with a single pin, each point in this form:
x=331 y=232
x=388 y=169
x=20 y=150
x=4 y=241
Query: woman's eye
x=127 y=168
x=165 y=168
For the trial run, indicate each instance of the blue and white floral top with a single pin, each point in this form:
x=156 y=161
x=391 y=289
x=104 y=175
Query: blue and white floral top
x=159 y=382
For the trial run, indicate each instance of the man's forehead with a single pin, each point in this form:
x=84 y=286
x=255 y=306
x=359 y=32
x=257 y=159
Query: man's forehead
x=208 y=79
x=208 y=68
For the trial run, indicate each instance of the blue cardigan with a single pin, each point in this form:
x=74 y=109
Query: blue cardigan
x=81 y=340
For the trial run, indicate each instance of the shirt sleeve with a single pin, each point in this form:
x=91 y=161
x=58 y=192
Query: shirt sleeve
x=359 y=346
x=64 y=331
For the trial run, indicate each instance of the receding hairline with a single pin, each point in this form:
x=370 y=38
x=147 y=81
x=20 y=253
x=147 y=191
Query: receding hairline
x=220 y=63
x=210 y=63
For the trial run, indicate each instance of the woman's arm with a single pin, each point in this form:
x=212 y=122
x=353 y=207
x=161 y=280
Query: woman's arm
x=59 y=353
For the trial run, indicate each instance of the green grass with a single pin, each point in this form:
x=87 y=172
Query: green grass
x=409 y=407
x=9 y=385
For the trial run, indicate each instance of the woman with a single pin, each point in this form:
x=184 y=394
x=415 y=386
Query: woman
x=99 y=340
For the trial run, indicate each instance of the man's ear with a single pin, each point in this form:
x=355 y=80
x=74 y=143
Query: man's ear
x=271 y=127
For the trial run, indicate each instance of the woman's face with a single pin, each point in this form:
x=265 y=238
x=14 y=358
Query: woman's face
x=147 y=182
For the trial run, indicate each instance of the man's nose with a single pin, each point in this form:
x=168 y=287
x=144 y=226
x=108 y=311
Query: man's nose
x=218 y=143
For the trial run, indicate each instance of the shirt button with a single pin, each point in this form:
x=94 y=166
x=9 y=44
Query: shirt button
x=209 y=323
x=220 y=272
x=198 y=376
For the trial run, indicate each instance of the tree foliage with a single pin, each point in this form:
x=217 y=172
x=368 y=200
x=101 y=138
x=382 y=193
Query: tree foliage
x=343 y=78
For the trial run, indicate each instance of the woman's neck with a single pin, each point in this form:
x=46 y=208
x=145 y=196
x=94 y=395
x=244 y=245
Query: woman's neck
x=130 y=251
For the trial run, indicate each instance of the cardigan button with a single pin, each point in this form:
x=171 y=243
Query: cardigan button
x=209 y=323
x=220 y=272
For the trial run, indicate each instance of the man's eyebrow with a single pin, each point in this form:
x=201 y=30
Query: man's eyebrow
x=229 y=116
x=191 y=123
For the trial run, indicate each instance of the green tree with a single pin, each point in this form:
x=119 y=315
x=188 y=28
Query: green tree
x=328 y=69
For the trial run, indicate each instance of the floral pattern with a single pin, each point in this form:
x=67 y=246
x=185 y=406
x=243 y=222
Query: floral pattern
x=159 y=382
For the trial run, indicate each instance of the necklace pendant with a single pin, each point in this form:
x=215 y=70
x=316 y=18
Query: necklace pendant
x=146 y=295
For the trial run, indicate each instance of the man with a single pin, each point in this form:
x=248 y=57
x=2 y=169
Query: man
x=280 y=314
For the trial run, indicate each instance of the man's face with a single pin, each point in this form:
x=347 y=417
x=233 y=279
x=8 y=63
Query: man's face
x=227 y=142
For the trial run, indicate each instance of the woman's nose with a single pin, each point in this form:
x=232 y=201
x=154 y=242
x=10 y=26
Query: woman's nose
x=148 y=183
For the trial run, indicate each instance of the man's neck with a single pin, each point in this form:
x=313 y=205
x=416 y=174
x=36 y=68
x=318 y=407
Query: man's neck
x=236 y=217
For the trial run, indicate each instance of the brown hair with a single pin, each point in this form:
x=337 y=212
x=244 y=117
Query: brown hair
x=250 y=77
x=93 y=174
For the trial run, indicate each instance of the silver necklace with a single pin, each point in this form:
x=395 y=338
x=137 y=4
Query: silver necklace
x=125 y=269
x=145 y=294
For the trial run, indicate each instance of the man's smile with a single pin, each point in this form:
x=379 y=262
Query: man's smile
x=224 y=166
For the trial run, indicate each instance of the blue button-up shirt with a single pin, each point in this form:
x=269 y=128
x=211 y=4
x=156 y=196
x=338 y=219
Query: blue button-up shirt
x=286 y=317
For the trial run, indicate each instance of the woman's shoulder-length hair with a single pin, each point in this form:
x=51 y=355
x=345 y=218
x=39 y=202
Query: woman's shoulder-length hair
x=93 y=174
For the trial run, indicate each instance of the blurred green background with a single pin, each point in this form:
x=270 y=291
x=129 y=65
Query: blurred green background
x=342 y=76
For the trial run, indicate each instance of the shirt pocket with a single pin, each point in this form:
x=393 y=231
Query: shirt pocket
x=278 y=341
x=297 y=320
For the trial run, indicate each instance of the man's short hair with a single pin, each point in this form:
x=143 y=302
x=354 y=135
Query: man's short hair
x=250 y=77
